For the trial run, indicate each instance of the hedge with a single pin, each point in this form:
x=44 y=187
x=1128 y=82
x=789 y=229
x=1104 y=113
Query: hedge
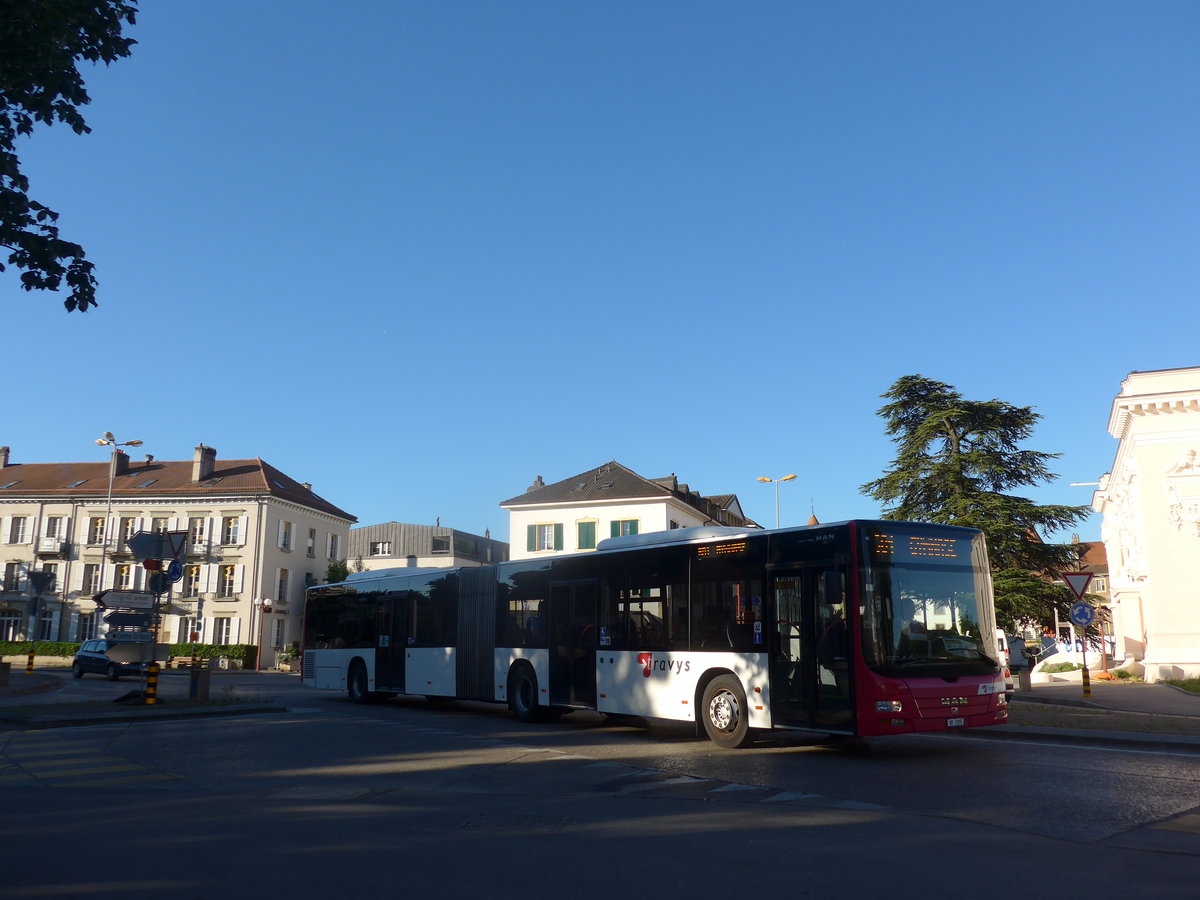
x=40 y=648
x=244 y=653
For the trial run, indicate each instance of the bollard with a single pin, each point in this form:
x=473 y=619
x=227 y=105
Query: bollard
x=1087 y=683
x=29 y=664
x=151 y=684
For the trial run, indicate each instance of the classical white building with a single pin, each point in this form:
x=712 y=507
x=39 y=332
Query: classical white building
x=1150 y=502
x=253 y=535
x=574 y=514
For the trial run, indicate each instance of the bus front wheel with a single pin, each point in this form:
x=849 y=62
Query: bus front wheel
x=725 y=712
x=523 y=694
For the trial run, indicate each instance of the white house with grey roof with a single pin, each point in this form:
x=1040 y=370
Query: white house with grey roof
x=574 y=514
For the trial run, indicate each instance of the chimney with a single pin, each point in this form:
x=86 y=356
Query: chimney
x=119 y=464
x=203 y=462
x=537 y=485
x=3 y=457
x=307 y=486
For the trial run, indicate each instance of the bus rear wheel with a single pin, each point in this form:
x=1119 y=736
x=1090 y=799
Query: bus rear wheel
x=523 y=694
x=726 y=719
x=356 y=683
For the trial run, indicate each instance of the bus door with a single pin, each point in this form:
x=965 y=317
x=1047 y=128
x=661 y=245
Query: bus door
x=573 y=643
x=810 y=661
x=391 y=630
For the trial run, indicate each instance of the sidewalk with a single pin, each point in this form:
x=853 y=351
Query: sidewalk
x=24 y=704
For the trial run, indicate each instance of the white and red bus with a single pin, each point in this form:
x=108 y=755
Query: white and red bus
x=854 y=628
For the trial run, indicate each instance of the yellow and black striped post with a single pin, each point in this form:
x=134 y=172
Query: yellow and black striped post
x=29 y=662
x=151 y=695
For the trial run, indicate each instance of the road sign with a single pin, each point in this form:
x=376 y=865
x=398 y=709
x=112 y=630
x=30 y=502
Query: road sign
x=159 y=583
x=126 y=600
x=176 y=541
x=1078 y=582
x=129 y=620
x=146 y=545
x=1082 y=614
x=175 y=570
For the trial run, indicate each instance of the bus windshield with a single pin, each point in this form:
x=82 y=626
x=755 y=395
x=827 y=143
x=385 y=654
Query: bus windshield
x=928 y=605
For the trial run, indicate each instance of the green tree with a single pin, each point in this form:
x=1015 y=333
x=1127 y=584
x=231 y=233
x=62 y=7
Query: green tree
x=957 y=463
x=336 y=571
x=42 y=43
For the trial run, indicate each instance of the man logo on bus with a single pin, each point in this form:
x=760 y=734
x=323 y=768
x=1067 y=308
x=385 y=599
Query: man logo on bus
x=675 y=666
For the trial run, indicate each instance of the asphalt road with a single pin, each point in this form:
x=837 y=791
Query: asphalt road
x=332 y=798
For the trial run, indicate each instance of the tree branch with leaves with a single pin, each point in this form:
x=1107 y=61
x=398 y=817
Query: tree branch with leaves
x=42 y=43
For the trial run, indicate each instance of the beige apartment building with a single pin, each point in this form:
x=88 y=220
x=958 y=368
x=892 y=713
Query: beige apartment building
x=1151 y=527
x=255 y=538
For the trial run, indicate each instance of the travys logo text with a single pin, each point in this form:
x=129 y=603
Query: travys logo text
x=670 y=666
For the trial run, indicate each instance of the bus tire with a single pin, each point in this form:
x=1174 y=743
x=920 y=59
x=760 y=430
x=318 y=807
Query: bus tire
x=523 y=694
x=725 y=714
x=356 y=683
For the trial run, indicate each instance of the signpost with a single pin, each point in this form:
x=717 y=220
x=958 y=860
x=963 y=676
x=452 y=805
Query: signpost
x=153 y=547
x=1082 y=614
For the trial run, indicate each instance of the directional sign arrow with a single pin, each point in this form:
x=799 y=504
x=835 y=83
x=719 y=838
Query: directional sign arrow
x=147 y=545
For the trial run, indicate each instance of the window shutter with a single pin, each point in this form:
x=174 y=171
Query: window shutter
x=531 y=538
x=616 y=528
x=7 y=532
x=243 y=524
x=633 y=526
x=558 y=535
x=205 y=578
x=235 y=629
x=31 y=531
x=280 y=534
x=238 y=576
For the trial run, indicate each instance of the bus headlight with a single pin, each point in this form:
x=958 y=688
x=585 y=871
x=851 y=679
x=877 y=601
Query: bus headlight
x=889 y=706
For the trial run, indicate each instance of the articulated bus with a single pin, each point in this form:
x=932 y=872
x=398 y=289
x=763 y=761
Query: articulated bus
x=856 y=628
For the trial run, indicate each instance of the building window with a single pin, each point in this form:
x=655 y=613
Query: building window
x=190 y=583
x=10 y=624
x=222 y=629
x=45 y=630
x=441 y=546
x=623 y=527
x=675 y=525
x=1099 y=583
x=312 y=542
x=126 y=530
x=277 y=633
x=544 y=537
x=189 y=630
x=91 y=578
x=96 y=530
x=285 y=536
x=333 y=547
x=231 y=530
x=12 y=576
x=225 y=581
x=197 y=532
x=281 y=589
x=54 y=527
x=160 y=524
x=587 y=535
x=381 y=548
x=124 y=579
x=17 y=529
x=51 y=569
x=86 y=627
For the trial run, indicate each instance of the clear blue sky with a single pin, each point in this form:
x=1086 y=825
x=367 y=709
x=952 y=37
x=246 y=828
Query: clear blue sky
x=418 y=253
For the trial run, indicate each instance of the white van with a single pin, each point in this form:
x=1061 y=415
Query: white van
x=1005 y=660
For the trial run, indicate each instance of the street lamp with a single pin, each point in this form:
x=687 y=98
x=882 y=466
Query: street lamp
x=264 y=608
x=776 y=482
x=109 y=441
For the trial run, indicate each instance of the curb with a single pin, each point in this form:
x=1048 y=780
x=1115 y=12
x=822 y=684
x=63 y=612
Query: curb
x=1115 y=738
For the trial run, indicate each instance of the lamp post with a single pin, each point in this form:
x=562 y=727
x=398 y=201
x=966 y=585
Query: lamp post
x=109 y=441
x=776 y=482
x=264 y=608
